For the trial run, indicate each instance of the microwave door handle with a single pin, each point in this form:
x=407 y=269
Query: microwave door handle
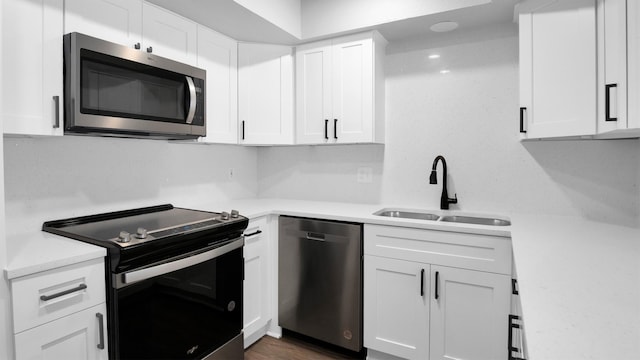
x=192 y=99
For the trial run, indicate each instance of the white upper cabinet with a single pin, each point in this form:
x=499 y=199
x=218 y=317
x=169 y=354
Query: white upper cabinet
x=118 y=21
x=612 y=65
x=136 y=24
x=578 y=72
x=32 y=67
x=633 y=75
x=557 y=68
x=169 y=35
x=218 y=55
x=340 y=90
x=265 y=94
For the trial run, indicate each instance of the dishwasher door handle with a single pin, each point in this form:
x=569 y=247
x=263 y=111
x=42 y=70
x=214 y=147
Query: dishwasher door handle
x=315 y=236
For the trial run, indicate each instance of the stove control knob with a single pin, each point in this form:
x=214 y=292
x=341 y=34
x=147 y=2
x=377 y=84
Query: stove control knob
x=224 y=215
x=124 y=237
x=141 y=233
x=234 y=214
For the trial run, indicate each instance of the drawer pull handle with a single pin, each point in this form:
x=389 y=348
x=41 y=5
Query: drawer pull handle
x=257 y=232
x=101 y=326
x=62 y=293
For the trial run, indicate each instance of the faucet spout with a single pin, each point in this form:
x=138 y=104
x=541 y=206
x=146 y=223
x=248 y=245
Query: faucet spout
x=445 y=200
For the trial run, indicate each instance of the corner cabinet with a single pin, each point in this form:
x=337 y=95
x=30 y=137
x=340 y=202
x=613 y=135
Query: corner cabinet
x=435 y=295
x=32 y=67
x=340 y=90
x=61 y=313
x=265 y=94
x=218 y=55
x=573 y=69
x=257 y=280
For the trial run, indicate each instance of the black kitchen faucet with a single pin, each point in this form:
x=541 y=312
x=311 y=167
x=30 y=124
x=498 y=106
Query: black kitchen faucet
x=445 y=200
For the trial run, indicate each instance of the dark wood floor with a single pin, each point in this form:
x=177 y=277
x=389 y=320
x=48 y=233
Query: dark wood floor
x=291 y=348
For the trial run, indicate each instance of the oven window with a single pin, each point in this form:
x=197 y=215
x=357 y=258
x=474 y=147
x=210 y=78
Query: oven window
x=184 y=314
x=121 y=88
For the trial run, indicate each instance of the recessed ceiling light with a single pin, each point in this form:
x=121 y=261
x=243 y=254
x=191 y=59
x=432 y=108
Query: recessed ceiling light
x=444 y=26
x=434 y=56
x=444 y=71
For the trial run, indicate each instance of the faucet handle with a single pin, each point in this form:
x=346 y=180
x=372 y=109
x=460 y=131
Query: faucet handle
x=454 y=200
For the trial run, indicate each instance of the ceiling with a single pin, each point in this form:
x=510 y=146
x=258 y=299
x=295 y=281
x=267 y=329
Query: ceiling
x=233 y=20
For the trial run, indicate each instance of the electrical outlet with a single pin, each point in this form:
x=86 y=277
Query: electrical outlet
x=365 y=175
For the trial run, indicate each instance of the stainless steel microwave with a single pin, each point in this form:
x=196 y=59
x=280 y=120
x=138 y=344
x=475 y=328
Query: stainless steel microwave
x=113 y=90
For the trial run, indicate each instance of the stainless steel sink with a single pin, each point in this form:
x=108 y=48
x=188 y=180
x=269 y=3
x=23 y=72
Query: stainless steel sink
x=475 y=220
x=406 y=214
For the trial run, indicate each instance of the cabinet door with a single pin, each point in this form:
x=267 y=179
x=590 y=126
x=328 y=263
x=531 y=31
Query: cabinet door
x=256 y=281
x=633 y=41
x=168 y=35
x=469 y=318
x=118 y=21
x=396 y=307
x=265 y=94
x=82 y=335
x=352 y=90
x=558 y=67
x=218 y=55
x=32 y=66
x=612 y=65
x=313 y=94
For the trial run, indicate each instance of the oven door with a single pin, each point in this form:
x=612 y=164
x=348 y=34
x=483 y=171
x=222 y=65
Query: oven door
x=184 y=308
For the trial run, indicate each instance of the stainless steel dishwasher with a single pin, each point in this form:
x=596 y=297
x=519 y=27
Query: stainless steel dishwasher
x=320 y=280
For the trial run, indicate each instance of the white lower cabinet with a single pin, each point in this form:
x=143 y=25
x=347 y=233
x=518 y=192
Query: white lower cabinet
x=396 y=307
x=416 y=307
x=469 y=315
x=61 y=313
x=82 y=335
x=257 y=288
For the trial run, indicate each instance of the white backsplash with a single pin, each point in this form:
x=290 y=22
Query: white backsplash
x=58 y=177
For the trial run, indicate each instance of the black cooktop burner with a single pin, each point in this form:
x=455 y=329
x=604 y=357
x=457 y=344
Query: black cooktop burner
x=145 y=234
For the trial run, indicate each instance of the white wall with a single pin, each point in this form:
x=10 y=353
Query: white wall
x=285 y=14
x=53 y=178
x=6 y=324
x=470 y=116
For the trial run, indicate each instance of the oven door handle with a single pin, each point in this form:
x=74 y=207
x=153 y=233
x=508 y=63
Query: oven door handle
x=192 y=100
x=147 y=273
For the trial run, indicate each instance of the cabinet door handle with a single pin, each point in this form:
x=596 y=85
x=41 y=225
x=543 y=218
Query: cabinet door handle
x=335 y=129
x=56 y=118
x=522 y=111
x=607 y=102
x=422 y=282
x=326 y=129
x=437 y=293
x=257 y=232
x=101 y=330
x=62 y=293
x=242 y=129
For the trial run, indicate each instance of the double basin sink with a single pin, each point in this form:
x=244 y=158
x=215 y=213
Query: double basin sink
x=407 y=214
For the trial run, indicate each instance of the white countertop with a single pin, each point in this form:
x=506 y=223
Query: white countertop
x=39 y=251
x=579 y=280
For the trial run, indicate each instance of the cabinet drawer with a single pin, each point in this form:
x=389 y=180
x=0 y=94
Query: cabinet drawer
x=256 y=230
x=46 y=296
x=469 y=251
